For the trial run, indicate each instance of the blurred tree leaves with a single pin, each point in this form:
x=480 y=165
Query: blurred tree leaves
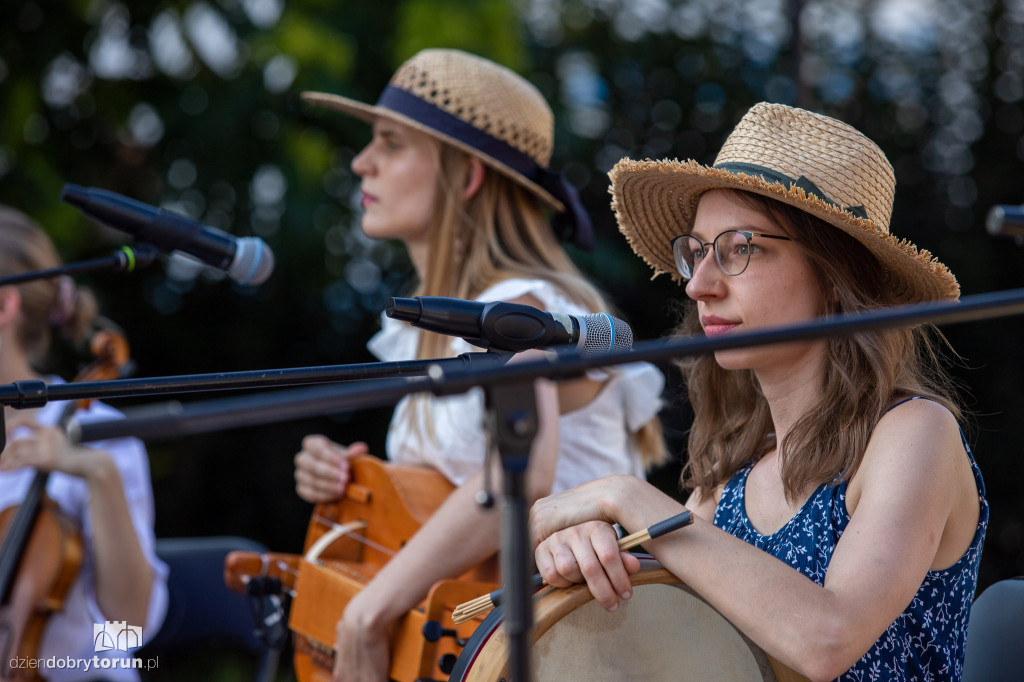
x=313 y=44
x=485 y=27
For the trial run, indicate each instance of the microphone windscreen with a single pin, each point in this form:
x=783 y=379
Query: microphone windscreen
x=1005 y=221
x=253 y=262
x=602 y=333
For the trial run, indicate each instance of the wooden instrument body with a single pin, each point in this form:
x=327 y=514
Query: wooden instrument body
x=49 y=564
x=384 y=505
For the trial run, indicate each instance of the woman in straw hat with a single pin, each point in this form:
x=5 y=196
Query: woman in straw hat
x=840 y=513
x=457 y=169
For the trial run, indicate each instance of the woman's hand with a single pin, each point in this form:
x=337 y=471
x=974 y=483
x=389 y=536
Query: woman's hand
x=361 y=648
x=588 y=552
x=48 y=449
x=587 y=502
x=577 y=543
x=322 y=468
x=123 y=577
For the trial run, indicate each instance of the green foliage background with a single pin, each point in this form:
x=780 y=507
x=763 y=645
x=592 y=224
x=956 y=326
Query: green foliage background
x=84 y=98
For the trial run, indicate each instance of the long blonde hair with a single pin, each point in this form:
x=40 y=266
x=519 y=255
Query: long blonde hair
x=46 y=304
x=864 y=374
x=500 y=232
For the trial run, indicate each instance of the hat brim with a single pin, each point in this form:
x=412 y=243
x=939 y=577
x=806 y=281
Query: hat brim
x=370 y=112
x=655 y=201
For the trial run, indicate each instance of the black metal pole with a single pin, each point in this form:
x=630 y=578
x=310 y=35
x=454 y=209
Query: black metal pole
x=125 y=259
x=513 y=423
x=35 y=393
x=216 y=415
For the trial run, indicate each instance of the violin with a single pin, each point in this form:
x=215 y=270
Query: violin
x=42 y=547
x=347 y=542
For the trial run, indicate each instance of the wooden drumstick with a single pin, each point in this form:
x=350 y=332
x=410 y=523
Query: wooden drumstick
x=485 y=603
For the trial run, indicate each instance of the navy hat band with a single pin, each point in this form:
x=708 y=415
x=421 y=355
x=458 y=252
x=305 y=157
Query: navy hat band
x=573 y=225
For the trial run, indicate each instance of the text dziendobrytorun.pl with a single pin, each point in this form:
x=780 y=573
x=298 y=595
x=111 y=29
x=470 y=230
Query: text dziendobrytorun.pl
x=85 y=664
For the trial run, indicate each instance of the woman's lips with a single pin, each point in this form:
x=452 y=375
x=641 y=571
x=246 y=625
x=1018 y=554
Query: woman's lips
x=715 y=326
x=718 y=329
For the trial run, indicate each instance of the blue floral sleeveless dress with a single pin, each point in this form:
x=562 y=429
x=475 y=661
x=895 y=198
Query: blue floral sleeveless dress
x=926 y=641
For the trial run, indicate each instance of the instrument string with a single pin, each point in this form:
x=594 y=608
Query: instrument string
x=355 y=536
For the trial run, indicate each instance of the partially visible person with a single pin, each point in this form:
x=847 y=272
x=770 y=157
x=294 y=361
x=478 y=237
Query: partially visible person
x=840 y=514
x=104 y=487
x=458 y=171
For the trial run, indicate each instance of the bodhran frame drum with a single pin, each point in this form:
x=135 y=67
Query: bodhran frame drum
x=664 y=632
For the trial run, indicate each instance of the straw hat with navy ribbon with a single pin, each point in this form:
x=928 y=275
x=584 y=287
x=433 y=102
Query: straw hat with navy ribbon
x=813 y=162
x=486 y=110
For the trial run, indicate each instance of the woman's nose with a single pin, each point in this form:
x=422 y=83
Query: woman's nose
x=706 y=280
x=361 y=163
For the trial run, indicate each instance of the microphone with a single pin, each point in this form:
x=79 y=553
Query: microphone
x=512 y=326
x=1006 y=221
x=247 y=260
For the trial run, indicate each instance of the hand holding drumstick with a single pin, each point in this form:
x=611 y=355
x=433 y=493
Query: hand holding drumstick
x=485 y=603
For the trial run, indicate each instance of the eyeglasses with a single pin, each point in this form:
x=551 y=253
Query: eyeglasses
x=732 y=251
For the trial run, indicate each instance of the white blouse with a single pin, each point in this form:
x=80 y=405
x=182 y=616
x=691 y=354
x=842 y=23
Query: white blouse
x=69 y=633
x=595 y=440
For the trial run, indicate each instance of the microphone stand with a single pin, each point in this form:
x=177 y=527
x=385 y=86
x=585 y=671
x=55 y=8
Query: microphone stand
x=512 y=414
x=512 y=422
x=125 y=259
x=35 y=393
x=173 y=420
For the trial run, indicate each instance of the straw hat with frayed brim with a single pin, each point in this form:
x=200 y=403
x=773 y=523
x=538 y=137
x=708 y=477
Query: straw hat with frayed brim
x=483 y=109
x=813 y=162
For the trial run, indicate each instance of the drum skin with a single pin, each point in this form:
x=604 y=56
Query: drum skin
x=664 y=632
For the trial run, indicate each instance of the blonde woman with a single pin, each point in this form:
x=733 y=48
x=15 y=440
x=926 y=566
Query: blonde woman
x=105 y=488
x=458 y=171
x=840 y=515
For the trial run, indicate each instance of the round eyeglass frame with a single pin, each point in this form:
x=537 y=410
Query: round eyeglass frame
x=686 y=270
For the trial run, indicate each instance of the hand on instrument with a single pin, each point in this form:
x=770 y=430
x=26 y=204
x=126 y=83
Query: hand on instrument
x=48 y=449
x=577 y=505
x=588 y=552
x=360 y=647
x=322 y=468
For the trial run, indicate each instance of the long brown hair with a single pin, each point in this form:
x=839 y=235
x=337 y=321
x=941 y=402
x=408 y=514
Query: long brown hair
x=864 y=374
x=501 y=232
x=46 y=304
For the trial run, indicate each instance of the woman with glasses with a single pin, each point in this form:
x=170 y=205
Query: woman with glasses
x=839 y=512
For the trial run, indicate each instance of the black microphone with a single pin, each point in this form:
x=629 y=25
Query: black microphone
x=512 y=326
x=1006 y=221
x=247 y=260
